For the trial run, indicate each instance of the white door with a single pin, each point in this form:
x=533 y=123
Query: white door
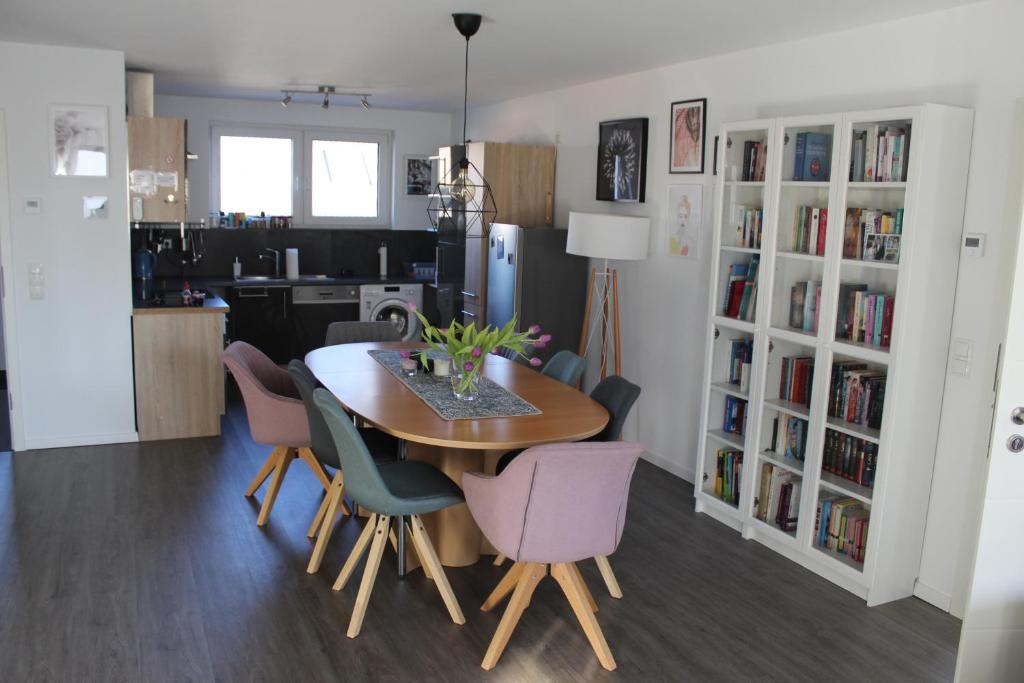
x=992 y=637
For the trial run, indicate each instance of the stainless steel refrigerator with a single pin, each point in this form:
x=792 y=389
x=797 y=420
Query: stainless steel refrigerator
x=530 y=276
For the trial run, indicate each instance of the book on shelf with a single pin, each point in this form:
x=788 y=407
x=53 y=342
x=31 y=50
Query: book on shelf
x=813 y=157
x=755 y=155
x=741 y=356
x=796 y=378
x=728 y=467
x=873 y=235
x=850 y=457
x=805 y=306
x=741 y=291
x=841 y=526
x=880 y=154
x=864 y=316
x=794 y=434
x=778 y=499
x=749 y=223
x=809 y=228
x=857 y=394
x=734 y=416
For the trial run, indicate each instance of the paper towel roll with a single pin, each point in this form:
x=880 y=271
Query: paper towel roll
x=291 y=264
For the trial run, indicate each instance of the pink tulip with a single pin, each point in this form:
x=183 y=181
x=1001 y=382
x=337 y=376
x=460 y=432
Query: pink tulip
x=535 y=362
x=533 y=329
x=410 y=305
x=545 y=338
x=495 y=352
x=405 y=354
x=539 y=345
x=467 y=366
x=477 y=352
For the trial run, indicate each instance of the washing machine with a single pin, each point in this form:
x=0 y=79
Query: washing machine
x=391 y=302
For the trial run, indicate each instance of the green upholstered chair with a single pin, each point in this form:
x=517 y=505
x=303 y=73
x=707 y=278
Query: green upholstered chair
x=390 y=492
x=565 y=366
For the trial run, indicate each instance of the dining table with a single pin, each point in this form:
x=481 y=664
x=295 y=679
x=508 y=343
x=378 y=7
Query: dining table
x=377 y=398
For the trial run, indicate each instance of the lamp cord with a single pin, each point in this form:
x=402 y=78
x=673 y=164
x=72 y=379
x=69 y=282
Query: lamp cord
x=465 y=93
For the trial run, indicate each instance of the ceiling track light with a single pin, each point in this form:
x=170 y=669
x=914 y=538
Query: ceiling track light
x=328 y=91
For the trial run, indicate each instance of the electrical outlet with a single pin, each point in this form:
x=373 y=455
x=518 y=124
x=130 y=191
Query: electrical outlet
x=167 y=243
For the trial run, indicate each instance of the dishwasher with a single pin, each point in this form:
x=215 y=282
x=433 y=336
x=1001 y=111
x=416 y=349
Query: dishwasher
x=314 y=307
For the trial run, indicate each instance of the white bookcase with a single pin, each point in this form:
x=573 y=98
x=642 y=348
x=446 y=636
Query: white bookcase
x=922 y=284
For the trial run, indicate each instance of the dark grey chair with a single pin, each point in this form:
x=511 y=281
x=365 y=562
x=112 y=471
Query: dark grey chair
x=351 y=332
x=565 y=366
x=390 y=492
x=322 y=444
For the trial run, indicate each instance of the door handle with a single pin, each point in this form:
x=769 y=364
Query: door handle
x=469 y=294
x=1015 y=444
x=1017 y=415
x=471 y=315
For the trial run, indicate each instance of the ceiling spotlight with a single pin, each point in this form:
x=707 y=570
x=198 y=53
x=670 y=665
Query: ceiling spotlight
x=327 y=101
x=365 y=102
x=287 y=99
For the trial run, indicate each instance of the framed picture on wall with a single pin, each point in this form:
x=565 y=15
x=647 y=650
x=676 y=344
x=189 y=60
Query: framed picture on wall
x=684 y=219
x=417 y=175
x=622 y=160
x=688 y=120
x=79 y=140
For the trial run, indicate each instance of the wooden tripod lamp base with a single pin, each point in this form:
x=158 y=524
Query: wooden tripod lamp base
x=606 y=284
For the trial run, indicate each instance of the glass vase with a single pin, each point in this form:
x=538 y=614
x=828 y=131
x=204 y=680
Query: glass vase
x=466 y=385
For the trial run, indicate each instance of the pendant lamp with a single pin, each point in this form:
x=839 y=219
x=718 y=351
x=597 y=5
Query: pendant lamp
x=462 y=201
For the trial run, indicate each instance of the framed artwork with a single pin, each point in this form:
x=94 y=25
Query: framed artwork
x=689 y=119
x=79 y=140
x=684 y=215
x=622 y=160
x=417 y=175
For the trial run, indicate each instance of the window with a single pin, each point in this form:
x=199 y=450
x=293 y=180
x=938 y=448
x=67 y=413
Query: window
x=317 y=176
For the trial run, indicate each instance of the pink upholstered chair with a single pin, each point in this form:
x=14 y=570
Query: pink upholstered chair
x=277 y=418
x=554 y=505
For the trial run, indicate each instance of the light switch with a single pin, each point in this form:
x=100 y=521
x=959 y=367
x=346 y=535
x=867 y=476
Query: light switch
x=960 y=366
x=33 y=205
x=962 y=348
x=36 y=281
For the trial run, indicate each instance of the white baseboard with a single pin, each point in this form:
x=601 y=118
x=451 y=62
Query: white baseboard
x=933 y=596
x=664 y=463
x=80 y=440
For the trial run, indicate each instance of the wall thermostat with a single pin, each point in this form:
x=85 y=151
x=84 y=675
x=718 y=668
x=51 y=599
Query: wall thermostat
x=974 y=244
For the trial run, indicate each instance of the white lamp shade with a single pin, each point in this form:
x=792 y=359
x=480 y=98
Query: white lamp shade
x=600 y=235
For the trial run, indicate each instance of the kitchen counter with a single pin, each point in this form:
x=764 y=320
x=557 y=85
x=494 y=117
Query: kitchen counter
x=169 y=284
x=212 y=304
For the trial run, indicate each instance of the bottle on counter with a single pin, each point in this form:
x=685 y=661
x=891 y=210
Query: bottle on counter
x=236 y=268
x=186 y=295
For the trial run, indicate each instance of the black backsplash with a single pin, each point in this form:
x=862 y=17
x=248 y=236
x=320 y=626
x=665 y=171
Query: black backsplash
x=327 y=252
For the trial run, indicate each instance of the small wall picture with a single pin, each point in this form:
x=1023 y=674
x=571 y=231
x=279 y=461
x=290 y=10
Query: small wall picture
x=622 y=160
x=684 y=217
x=79 y=140
x=417 y=175
x=689 y=119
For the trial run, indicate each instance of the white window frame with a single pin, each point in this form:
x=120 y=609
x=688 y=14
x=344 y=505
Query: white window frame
x=302 y=190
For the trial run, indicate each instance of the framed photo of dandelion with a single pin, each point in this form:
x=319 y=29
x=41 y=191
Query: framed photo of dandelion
x=79 y=140
x=689 y=119
x=684 y=219
x=622 y=160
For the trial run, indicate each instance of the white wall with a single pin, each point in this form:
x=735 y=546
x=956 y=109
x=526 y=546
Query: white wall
x=414 y=133
x=72 y=349
x=964 y=56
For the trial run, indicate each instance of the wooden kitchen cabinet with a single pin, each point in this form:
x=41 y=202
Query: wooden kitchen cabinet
x=156 y=169
x=179 y=377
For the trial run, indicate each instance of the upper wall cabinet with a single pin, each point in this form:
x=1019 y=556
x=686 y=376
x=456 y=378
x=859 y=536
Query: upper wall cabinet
x=156 y=169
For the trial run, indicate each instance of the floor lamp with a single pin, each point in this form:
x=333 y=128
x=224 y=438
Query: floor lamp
x=602 y=236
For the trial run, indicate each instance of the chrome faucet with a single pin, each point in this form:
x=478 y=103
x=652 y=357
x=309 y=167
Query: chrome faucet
x=276 y=258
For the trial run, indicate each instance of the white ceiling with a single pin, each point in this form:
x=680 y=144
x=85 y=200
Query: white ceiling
x=408 y=53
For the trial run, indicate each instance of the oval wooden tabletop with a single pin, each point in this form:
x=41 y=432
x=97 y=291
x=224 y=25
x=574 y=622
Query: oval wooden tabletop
x=368 y=390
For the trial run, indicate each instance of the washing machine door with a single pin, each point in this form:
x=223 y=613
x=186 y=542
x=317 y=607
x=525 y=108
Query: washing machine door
x=396 y=311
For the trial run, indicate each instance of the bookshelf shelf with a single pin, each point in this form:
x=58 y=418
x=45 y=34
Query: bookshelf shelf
x=856 y=430
x=727 y=438
x=802 y=270
x=789 y=464
x=730 y=389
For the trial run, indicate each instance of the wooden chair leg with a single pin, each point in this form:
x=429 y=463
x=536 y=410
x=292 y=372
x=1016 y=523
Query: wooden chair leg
x=283 y=462
x=504 y=587
x=265 y=471
x=314 y=526
x=567 y=579
x=307 y=456
x=429 y=558
x=357 y=552
x=530 y=576
x=380 y=537
x=499 y=560
x=330 y=515
x=609 y=576
x=423 y=564
x=586 y=591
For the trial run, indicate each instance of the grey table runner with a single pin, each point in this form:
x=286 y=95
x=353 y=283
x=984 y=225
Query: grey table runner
x=493 y=400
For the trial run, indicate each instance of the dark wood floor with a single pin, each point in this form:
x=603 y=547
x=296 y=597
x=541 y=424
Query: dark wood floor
x=144 y=563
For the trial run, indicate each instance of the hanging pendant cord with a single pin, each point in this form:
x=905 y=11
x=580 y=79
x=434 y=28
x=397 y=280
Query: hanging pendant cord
x=465 y=93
